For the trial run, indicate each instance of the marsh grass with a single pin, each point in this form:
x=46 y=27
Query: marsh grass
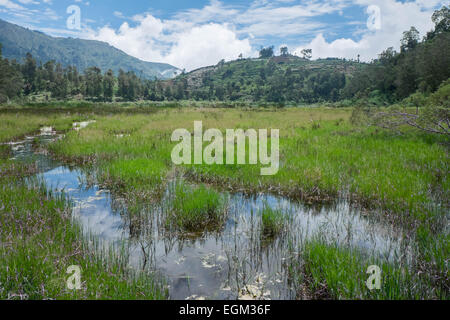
x=40 y=241
x=273 y=222
x=143 y=178
x=15 y=125
x=323 y=157
x=333 y=272
x=196 y=209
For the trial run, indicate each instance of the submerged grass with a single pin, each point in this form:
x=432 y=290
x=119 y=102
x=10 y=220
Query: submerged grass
x=273 y=222
x=196 y=209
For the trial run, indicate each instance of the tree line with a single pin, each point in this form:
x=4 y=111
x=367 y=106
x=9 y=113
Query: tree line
x=420 y=66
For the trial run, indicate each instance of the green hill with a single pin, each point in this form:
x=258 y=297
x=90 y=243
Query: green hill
x=18 y=41
x=277 y=79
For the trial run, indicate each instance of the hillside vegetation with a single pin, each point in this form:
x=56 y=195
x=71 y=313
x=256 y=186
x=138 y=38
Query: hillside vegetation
x=275 y=79
x=81 y=54
x=419 y=68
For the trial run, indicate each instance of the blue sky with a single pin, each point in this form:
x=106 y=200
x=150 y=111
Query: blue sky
x=191 y=34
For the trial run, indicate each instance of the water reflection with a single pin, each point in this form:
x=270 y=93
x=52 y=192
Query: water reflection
x=234 y=263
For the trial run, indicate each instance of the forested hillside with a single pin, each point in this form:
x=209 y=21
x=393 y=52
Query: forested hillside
x=275 y=79
x=81 y=54
x=420 y=67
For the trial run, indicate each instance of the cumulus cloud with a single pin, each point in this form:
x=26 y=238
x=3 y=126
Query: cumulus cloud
x=396 y=17
x=207 y=44
x=198 y=37
x=181 y=44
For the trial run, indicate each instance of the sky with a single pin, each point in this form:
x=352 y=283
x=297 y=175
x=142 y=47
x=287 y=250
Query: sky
x=193 y=34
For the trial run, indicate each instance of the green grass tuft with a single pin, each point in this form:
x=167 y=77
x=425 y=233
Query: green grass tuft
x=196 y=209
x=273 y=222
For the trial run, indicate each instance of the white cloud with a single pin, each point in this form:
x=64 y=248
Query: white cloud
x=11 y=5
x=28 y=2
x=206 y=45
x=181 y=44
x=265 y=18
x=198 y=37
x=396 y=17
x=51 y=14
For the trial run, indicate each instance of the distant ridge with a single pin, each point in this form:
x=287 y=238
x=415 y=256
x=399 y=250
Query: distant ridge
x=18 y=41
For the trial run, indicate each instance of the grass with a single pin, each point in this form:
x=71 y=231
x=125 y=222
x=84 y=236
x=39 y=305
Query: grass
x=273 y=222
x=323 y=156
x=39 y=240
x=196 y=209
x=401 y=174
x=333 y=272
x=142 y=177
x=16 y=125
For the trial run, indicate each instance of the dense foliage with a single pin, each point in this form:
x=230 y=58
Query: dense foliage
x=419 y=68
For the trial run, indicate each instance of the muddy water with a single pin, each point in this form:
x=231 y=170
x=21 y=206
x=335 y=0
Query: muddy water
x=232 y=264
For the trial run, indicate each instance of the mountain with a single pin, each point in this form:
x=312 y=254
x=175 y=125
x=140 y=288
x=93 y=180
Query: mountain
x=18 y=41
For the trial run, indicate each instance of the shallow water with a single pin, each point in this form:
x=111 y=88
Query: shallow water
x=231 y=264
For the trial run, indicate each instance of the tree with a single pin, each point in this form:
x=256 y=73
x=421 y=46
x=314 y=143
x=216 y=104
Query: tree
x=266 y=52
x=387 y=55
x=94 y=82
x=433 y=118
x=10 y=80
x=29 y=73
x=59 y=89
x=179 y=92
x=50 y=75
x=122 y=79
x=284 y=51
x=441 y=20
x=410 y=39
x=108 y=85
x=131 y=87
x=307 y=53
